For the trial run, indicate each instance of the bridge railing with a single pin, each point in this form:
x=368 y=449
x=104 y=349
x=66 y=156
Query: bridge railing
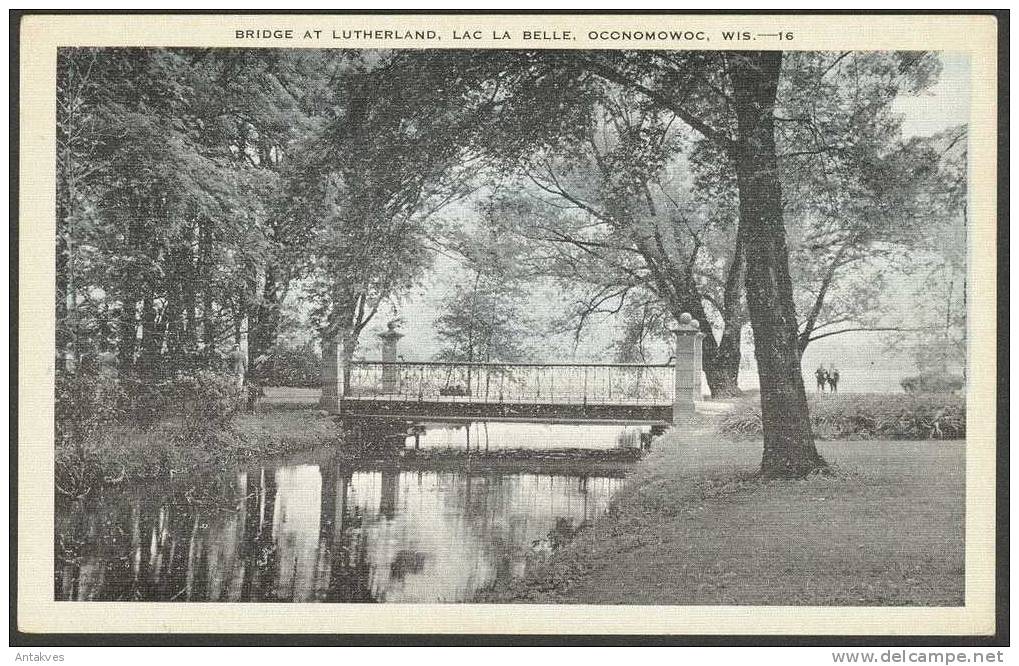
x=537 y=383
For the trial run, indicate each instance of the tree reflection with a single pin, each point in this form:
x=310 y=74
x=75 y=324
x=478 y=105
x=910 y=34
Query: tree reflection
x=316 y=532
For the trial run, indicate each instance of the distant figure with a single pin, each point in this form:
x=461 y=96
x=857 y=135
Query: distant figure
x=238 y=364
x=935 y=432
x=833 y=380
x=822 y=377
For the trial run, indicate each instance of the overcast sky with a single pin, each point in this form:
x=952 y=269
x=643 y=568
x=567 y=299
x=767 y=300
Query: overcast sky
x=945 y=105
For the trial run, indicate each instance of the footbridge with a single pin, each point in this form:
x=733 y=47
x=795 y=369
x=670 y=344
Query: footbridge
x=662 y=393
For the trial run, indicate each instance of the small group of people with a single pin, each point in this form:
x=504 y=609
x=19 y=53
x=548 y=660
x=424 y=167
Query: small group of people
x=826 y=377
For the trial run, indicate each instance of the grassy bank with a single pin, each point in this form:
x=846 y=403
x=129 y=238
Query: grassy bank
x=693 y=525
x=127 y=454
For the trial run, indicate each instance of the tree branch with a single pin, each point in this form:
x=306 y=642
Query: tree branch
x=862 y=329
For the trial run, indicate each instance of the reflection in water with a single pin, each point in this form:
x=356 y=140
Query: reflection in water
x=495 y=435
x=317 y=532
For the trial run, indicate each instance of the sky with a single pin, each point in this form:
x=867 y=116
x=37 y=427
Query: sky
x=945 y=105
x=863 y=361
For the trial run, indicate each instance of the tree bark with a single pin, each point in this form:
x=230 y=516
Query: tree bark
x=721 y=365
x=189 y=339
x=128 y=332
x=350 y=340
x=205 y=260
x=720 y=357
x=265 y=325
x=789 y=449
x=64 y=303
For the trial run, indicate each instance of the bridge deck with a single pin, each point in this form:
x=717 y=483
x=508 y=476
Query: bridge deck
x=467 y=399
x=466 y=406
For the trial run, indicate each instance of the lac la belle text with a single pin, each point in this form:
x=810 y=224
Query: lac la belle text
x=456 y=35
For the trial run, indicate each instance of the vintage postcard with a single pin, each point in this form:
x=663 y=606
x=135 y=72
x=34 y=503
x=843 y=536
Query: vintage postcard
x=511 y=324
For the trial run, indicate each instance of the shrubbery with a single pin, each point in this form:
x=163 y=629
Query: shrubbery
x=203 y=401
x=867 y=416
x=87 y=405
x=932 y=382
x=93 y=407
x=291 y=365
x=199 y=400
x=86 y=402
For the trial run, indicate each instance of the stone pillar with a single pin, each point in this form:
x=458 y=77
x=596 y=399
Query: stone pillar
x=332 y=376
x=390 y=373
x=688 y=367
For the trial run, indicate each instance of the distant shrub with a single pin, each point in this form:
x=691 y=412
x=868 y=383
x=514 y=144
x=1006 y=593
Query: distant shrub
x=143 y=401
x=932 y=383
x=200 y=400
x=867 y=416
x=291 y=365
x=204 y=401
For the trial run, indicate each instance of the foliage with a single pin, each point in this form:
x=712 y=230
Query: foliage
x=87 y=401
x=126 y=453
x=93 y=409
x=863 y=203
x=932 y=383
x=87 y=405
x=199 y=400
x=171 y=238
x=866 y=416
x=564 y=531
x=197 y=187
x=383 y=169
x=483 y=323
x=292 y=365
x=485 y=319
x=204 y=401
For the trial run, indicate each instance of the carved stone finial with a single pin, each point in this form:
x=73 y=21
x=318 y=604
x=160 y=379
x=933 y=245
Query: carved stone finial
x=391 y=334
x=686 y=324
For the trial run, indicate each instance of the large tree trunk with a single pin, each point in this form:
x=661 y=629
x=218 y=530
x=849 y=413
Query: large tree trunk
x=205 y=260
x=127 y=343
x=349 y=345
x=264 y=325
x=721 y=357
x=150 y=363
x=189 y=340
x=128 y=332
x=789 y=449
x=721 y=367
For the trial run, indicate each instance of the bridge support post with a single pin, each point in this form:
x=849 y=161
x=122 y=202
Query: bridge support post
x=390 y=373
x=688 y=367
x=332 y=375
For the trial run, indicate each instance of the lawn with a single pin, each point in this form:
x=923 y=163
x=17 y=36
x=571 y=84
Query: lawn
x=693 y=526
x=289 y=397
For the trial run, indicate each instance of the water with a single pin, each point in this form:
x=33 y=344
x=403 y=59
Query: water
x=315 y=528
x=496 y=435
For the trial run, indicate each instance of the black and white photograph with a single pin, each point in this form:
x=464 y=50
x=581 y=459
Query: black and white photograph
x=672 y=319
